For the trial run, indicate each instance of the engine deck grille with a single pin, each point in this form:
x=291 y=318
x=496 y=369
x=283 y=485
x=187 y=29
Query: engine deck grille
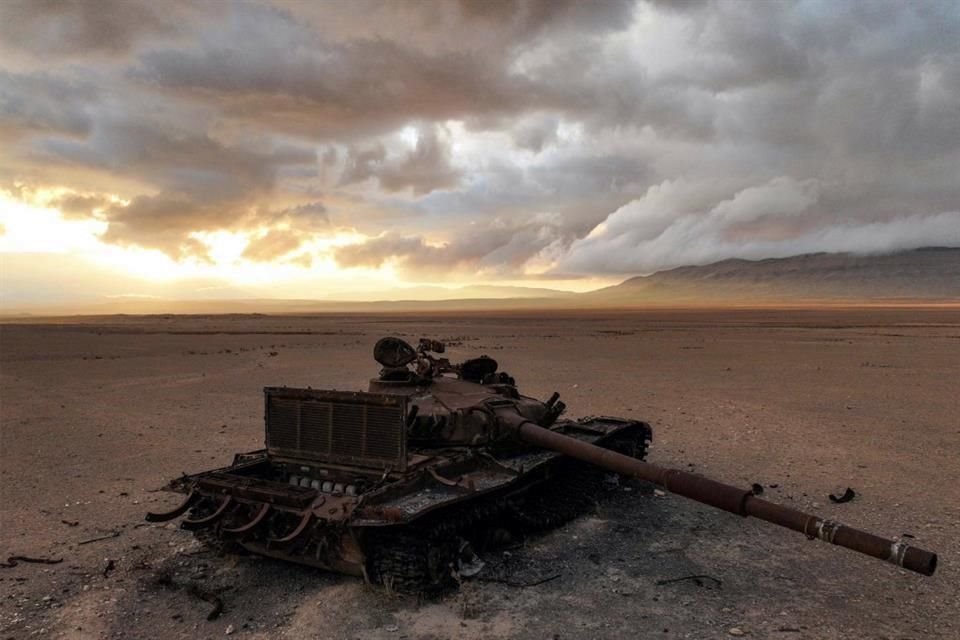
x=355 y=428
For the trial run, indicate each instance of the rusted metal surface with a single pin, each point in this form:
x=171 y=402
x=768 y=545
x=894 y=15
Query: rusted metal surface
x=262 y=512
x=184 y=506
x=729 y=498
x=354 y=428
x=301 y=527
x=256 y=490
x=193 y=524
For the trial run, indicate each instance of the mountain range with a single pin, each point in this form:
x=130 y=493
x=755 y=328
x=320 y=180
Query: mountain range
x=920 y=275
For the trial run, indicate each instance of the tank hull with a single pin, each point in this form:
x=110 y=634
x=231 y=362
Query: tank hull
x=449 y=497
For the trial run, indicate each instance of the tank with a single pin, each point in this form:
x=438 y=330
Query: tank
x=400 y=484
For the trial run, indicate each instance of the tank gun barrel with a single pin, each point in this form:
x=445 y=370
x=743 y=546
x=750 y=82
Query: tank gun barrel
x=729 y=498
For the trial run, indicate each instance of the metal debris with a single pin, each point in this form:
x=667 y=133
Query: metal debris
x=522 y=585
x=697 y=579
x=13 y=561
x=112 y=534
x=165 y=579
x=847 y=496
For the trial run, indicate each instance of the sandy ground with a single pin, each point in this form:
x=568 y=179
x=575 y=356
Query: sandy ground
x=98 y=413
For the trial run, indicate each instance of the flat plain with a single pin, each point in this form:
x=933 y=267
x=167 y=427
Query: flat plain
x=97 y=413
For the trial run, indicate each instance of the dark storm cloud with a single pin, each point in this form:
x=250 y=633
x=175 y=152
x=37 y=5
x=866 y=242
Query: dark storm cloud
x=602 y=137
x=535 y=134
x=51 y=28
x=268 y=68
x=498 y=248
x=423 y=169
x=75 y=205
x=839 y=123
x=308 y=216
x=42 y=102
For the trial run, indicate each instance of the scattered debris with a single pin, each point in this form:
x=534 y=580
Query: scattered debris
x=230 y=630
x=207 y=596
x=469 y=563
x=521 y=585
x=112 y=534
x=12 y=561
x=697 y=580
x=71 y=523
x=736 y=631
x=111 y=565
x=142 y=565
x=847 y=496
x=165 y=579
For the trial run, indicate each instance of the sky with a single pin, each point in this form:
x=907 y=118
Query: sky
x=346 y=149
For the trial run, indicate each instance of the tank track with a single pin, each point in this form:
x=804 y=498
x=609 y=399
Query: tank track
x=413 y=561
x=423 y=558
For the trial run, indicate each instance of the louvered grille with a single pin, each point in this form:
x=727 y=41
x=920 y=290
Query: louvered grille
x=364 y=429
x=283 y=418
x=314 y=426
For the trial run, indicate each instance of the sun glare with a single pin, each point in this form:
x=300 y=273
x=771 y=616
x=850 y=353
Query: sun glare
x=31 y=225
x=31 y=228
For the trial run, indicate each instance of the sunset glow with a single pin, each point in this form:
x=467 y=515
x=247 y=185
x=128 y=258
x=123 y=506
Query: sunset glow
x=380 y=150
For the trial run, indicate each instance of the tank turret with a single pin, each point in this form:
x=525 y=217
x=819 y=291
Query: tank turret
x=400 y=483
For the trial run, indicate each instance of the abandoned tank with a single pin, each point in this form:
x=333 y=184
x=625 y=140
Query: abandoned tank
x=399 y=484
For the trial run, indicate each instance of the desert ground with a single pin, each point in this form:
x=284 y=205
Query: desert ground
x=98 y=413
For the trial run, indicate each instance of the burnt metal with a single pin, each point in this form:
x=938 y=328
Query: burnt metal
x=247 y=527
x=305 y=521
x=192 y=498
x=397 y=483
x=192 y=524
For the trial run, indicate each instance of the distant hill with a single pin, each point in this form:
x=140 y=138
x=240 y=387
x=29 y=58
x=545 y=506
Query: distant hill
x=467 y=292
x=920 y=274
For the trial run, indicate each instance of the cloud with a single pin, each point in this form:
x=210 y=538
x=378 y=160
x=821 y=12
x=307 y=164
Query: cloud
x=166 y=222
x=500 y=248
x=424 y=168
x=39 y=102
x=300 y=224
x=668 y=228
x=310 y=216
x=535 y=134
x=46 y=28
x=78 y=205
x=272 y=245
x=608 y=137
x=198 y=182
